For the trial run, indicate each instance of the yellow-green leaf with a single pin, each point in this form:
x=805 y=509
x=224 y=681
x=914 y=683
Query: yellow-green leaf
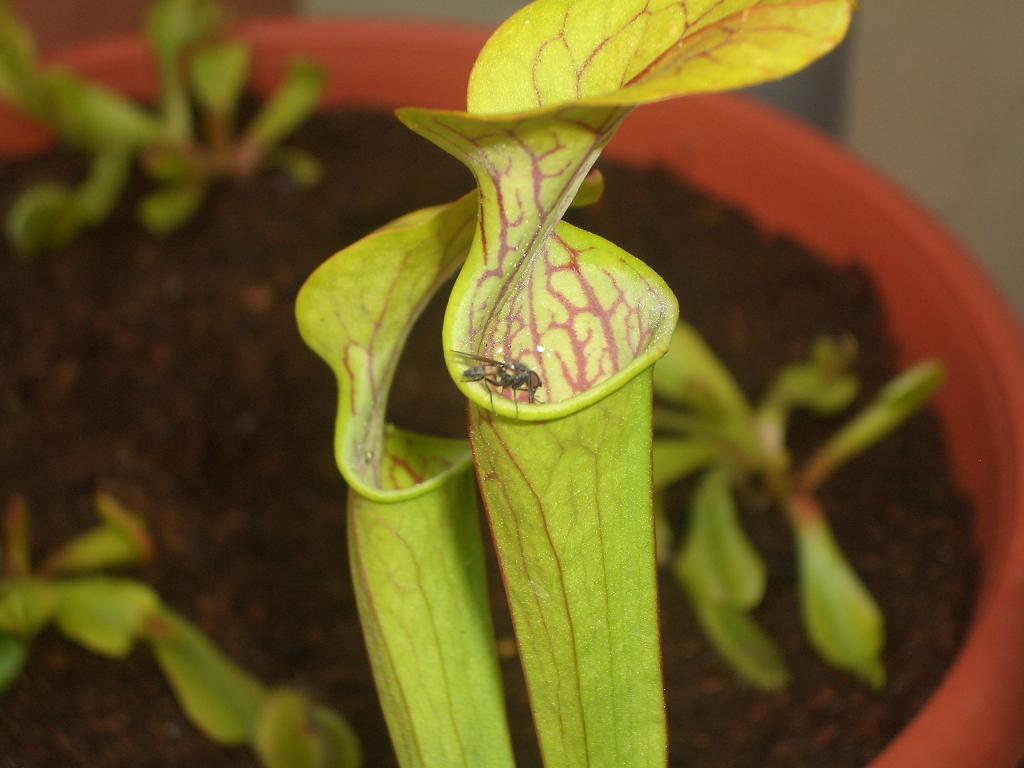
x=42 y=218
x=121 y=539
x=841 y=618
x=286 y=109
x=283 y=737
x=220 y=699
x=822 y=384
x=96 y=549
x=676 y=457
x=292 y=733
x=718 y=560
x=172 y=28
x=691 y=375
x=218 y=74
x=414 y=540
x=13 y=655
x=169 y=208
x=573 y=527
x=105 y=615
x=418 y=571
x=898 y=401
x=355 y=311
x=741 y=642
x=108 y=175
x=26 y=606
x=97 y=118
x=635 y=51
x=20 y=82
x=341 y=745
x=301 y=168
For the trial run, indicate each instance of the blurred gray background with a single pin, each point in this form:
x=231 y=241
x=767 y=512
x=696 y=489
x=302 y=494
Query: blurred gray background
x=929 y=92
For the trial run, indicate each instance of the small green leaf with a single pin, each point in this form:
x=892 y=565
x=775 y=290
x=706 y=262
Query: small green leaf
x=283 y=737
x=169 y=208
x=121 y=539
x=43 y=217
x=218 y=75
x=220 y=699
x=741 y=642
x=691 y=375
x=844 y=624
x=98 y=548
x=17 y=539
x=13 y=654
x=302 y=168
x=723 y=574
x=822 y=384
x=108 y=175
x=168 y=165
x=898 y=401
x=590 y=191
x=115 y=515
x=95 y=117
x=677 y=457
x=105 y=615
x=291 y=733
x=19 y=69
x=718 y=560
x=173 y=27
x=341 y=743
x=286 y=109
x=26 y=605
x=669 y=420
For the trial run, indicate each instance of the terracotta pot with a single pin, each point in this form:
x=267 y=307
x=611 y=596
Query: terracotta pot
x=791 y=180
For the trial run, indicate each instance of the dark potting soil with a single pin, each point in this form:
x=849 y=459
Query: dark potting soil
x=170 y=374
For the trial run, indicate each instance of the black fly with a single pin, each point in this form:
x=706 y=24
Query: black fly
x=506 y=374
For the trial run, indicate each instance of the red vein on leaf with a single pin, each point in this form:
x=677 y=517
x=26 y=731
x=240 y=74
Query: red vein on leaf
x=490 y=475
x=582 y=69
x=538 y=505
x=357 y=560
x=425 y=595
x=728 y=26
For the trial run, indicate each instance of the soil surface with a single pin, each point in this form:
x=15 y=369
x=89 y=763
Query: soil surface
x=170 y=374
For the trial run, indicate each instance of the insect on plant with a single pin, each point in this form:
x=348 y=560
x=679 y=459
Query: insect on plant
x=507 y=374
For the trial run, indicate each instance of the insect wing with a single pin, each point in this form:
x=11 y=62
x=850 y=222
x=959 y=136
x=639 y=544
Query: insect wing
x=489 y=369
x=477 y=358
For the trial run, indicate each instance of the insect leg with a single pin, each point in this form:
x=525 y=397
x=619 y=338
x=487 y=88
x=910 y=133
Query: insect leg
x=490 y=382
